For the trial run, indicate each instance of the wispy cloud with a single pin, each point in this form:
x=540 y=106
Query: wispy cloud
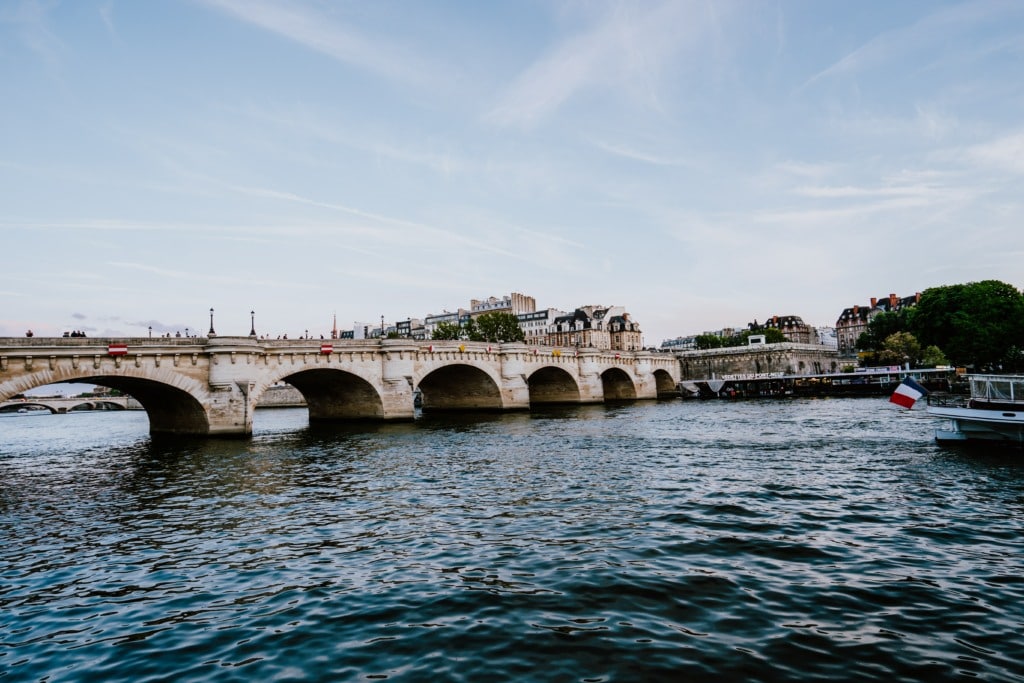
x=1005 y=153
x=31 y=17
x=317 y=30
x=625 y=51
x=641 y=155
x=193 y=276
x=927 y=33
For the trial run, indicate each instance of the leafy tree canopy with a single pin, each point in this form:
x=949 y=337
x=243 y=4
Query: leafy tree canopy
x=978 y=324
x=900 y=348
x=497 y=327
x=447 y=330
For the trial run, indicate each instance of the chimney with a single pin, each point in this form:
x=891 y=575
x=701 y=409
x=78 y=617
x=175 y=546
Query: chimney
x=892 y=301
x=874 y=302
x=856 y=309
x=917 y=297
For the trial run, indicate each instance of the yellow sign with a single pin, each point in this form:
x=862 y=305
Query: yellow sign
x=462 y=348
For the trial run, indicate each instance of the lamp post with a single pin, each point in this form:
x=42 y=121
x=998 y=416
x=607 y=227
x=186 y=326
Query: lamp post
x=252 y=329
x=211 y=332
x=382 y=327
x=150 y=331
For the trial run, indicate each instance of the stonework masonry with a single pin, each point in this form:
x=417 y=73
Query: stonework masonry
x=785 y=359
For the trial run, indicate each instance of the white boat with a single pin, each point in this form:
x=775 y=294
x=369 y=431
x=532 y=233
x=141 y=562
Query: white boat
x=994 y=412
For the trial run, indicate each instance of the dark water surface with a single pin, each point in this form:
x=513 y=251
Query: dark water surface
x=789 y=540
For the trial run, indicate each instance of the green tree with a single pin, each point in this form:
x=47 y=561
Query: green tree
x=978 y=324
x=497 y=327
x=932 y=356
x=881 y=327
x=900 y=348
x=707 y=341
x=446 y=330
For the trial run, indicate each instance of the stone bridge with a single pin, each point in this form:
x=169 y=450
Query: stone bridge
x=210 y=386
x=61 y=404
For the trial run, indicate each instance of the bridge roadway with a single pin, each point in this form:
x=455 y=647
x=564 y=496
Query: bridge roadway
x=210 y=386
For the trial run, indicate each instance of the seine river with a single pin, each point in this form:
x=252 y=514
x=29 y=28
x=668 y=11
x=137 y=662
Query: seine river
x=763 y=540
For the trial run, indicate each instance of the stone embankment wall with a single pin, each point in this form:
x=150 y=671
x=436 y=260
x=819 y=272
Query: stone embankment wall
x=778 y=359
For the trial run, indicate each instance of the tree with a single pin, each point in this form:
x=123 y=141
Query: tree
x=900 y=348
x=497 y=327
x=446 y=330
x=880 y=328
x=707 y=341
x=978 y=324
x=932 y=356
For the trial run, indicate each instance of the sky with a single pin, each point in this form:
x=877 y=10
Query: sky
x=702 y=163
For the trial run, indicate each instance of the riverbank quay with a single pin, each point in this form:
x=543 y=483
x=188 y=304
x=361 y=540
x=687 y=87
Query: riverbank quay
x=869 y=382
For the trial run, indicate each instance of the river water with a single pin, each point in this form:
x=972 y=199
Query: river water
x=760 y=540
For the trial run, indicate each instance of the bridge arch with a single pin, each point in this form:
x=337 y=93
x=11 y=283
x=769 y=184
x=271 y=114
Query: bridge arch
x=172 y=408
x=333 y=394
x=665 y=385
x=552 y=385
x=617 y=385
x=26 y=404
x=459 y=387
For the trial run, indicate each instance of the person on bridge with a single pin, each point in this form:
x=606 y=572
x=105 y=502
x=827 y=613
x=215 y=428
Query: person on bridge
x=29 y=333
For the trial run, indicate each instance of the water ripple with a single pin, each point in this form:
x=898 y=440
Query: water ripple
x=762 y=541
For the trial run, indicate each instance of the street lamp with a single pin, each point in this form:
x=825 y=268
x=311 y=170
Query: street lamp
x=150 y=331
x=211 y=332
x=252 y=330
x=382 y=327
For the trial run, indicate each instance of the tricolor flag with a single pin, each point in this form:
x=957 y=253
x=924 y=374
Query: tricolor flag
x=907 y=393
x=117 y=349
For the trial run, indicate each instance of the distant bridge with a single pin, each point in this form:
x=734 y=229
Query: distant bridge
x=212 y=385
x=60 y=404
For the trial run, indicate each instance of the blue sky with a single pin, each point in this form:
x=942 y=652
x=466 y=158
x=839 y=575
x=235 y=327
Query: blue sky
x=703 y=164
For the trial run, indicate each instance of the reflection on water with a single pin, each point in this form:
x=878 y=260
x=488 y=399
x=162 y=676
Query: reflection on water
x=774 y=540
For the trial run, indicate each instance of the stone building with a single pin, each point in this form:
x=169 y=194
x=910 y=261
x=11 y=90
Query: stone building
x=854 y=321
x=513 y=303
x=599 y=327
x=535 y=325
x=793 y=328
x=625 y=334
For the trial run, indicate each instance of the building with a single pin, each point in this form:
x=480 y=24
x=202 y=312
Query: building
x=625 y=334
x=793 y=328
x=854 y=321
x=411 y=328
x=535 y=325
x=679 y=344
x=598 y=327
x=827 y=337
x=432 y=320
x=513 y=303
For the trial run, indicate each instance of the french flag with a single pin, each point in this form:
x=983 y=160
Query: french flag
x=907 y=393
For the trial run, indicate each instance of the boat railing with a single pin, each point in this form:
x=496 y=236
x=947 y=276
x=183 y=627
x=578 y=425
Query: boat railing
x=946 y=400
x=1003 y=388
